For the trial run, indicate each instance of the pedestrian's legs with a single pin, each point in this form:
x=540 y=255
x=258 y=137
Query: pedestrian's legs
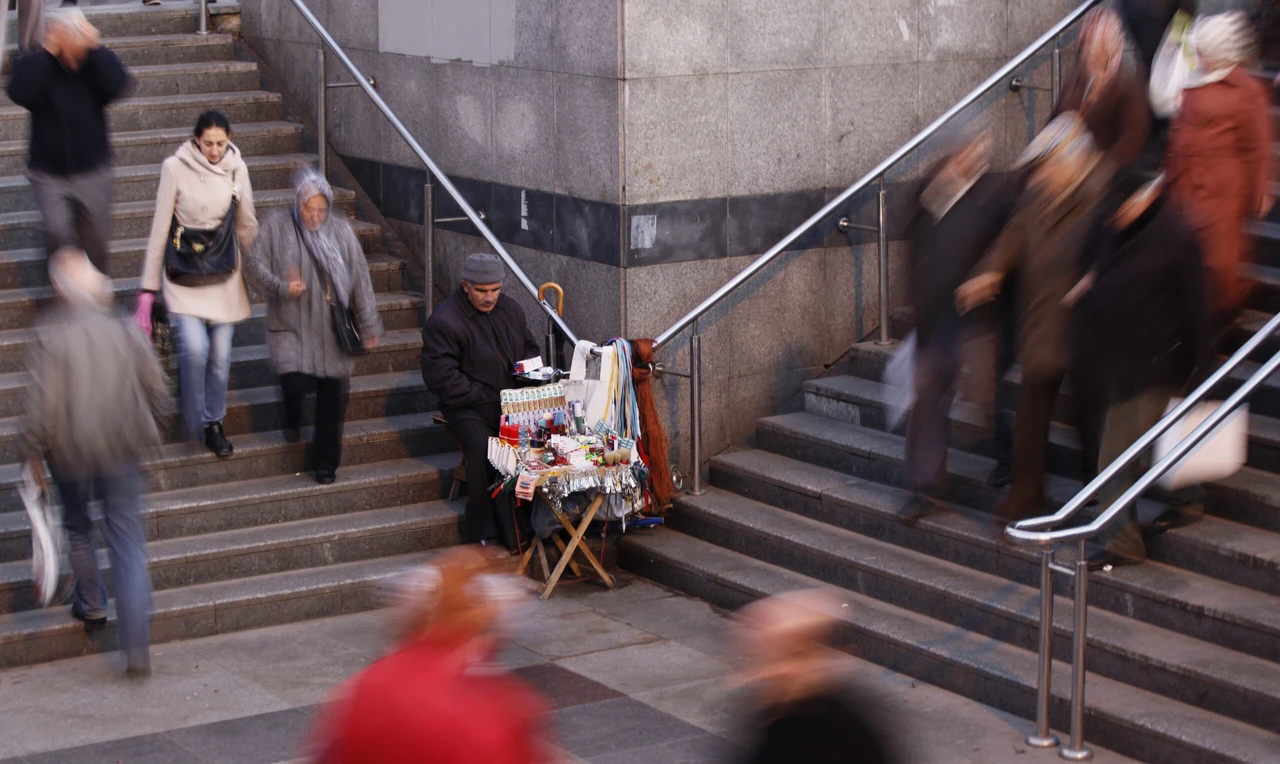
x=217 y=372
x=927 y=427
x=331 y=410
x=474 y=436
x=1089 y=412
x=193 y=362
x=295 y=388
x=1005 y=355
x=57 y=210
x=126 y=546
x=30 y=25
x=91 y=592
x=1031 y=446
x=1125 y=422
x=92 y=191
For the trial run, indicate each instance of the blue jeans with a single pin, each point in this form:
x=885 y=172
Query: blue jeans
x=121 y=495
x=204 y=367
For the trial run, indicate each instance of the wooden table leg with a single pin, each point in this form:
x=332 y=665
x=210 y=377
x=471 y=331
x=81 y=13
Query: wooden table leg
x=528 y=555
x=542 y=559
x=586 y=552
x=573 y=565
x=574 y=540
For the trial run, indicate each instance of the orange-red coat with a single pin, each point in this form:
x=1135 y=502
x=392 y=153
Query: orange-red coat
x=1219 y=167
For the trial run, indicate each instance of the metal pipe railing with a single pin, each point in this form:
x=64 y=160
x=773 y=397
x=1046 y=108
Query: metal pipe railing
x=433 y=169
x=999 y=78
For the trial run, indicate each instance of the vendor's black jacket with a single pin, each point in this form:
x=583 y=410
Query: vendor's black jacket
x=1145 y=321
x=468 y=357
x=942 y=253
x=68 y=109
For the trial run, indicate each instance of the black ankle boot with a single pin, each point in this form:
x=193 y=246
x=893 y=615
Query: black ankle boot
x=216 y=442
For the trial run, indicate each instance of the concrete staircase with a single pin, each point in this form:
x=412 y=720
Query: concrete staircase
x=252 y=540
x=1184 y=651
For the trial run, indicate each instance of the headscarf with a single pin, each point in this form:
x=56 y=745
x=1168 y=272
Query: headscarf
x=1102 y=32
x=1221 y=43
x=322 y=243
x=77 y=281
x=456 y=595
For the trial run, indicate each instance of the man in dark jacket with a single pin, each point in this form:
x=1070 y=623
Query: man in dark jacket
x=470 y=346
x=67 y=87
x=1140 y=328
x=961 y=211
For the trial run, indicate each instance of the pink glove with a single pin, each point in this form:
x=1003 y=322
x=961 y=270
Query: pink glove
x=142 y=316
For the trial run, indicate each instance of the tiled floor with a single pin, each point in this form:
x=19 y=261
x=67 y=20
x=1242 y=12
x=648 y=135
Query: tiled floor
x=635 y=675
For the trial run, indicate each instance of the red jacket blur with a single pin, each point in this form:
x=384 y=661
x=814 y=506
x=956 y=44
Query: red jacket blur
x=425 y=703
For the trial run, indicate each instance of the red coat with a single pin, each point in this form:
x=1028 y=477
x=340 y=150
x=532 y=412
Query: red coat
x=424 y=704
x=1218 y=168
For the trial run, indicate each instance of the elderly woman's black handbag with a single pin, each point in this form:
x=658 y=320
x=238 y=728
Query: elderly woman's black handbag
x=345 y=330
x=194 y=258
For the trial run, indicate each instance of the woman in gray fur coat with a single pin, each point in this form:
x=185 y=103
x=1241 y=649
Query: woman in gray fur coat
x=301 y=256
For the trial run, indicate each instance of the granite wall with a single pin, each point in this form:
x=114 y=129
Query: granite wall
x=640 y=152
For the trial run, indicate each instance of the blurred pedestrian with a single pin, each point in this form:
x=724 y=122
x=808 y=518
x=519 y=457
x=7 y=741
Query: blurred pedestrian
x=961 y=210
x=204 y=191
x=804 y=712
x=305 y=259
x=440 y=696
x=1219 y=163
x=67 y=87
x=1068 y=177
x=95 y=394
x=1147 y=22
x=1141 y=321
x=1106 y=91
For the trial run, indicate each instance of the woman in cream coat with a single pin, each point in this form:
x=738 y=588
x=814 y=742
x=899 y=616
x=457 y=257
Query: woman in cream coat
x=197 y=184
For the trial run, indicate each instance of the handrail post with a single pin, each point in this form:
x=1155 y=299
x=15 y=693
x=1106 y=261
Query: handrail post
x=322 y=112
x=883 y=245
x=1043 y=736
x=1076 y=751
x=429 y=241
x=1057 y=71
x=695 y=412
x=204 y=18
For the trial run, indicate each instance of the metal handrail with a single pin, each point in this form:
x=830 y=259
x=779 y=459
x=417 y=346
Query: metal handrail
x=999 y=78
x=471 y=214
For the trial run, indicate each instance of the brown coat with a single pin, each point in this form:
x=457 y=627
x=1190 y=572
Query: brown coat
x=1119 y=119
x=1218 y=168
x=1044 y=247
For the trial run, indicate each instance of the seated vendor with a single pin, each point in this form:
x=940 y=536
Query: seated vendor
x=470 y=346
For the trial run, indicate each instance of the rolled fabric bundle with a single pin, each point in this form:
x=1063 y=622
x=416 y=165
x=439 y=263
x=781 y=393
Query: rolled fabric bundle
x=653 y=443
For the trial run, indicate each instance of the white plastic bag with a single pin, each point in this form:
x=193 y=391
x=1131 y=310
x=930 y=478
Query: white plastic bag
x=1171 y=68
x=899 y=378
x=590 y=377
x=46 y=537
x=1219 y=456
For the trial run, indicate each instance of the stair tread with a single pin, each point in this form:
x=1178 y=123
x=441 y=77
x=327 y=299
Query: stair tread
x=1210 y=734
x=269 y=198
x=213 y=40
x=174 y=135
x=211 y=100
x=1192 y=591
x=152 y=171
x=993 y=594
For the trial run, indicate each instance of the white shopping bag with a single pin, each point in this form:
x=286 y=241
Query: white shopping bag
x=1171 y=68
x=899 y=377
x=1219 y=456
x=46 y=537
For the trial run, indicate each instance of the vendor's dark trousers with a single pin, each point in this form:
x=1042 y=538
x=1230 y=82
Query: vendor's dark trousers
x=76 y=211
x=331 y=410
x=1031 y=446
x=486 y=518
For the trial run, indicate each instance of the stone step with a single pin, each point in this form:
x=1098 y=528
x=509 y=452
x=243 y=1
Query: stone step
x=267 y=454
x=399 y=351
x=1232 y=608
x=151 y=50
x=1265 y=296
x=1161 y=661
x=1266 y=242
x=136 y=20
x=265 y=501
x=149 y=113
x=132 y=220
x=210 y=557
x=261 y=409
x=38 y=636
x=187 y=78
x=154 y=145
x=1125 y=719
x=140 y=183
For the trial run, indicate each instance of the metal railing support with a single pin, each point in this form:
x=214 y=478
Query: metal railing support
x=883 y=243
x=1076 y=751
x=429 y=242
x=322 y=111
x=204 y=18
x=695 y=412
x=1043 y=736
x=1057 y=70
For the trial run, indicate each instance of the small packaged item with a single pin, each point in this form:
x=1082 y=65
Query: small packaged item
x=529 y=365
x=526 y=484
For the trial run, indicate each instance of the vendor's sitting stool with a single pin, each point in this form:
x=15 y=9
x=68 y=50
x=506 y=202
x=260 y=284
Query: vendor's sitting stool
x=459 y=472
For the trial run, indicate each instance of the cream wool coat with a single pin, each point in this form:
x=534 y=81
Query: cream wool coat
x=199 y=194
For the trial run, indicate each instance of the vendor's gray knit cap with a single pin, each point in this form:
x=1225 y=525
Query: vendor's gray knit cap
x=482 y=268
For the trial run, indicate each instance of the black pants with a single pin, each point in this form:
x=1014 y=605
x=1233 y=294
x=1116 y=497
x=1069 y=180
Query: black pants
x=1031 y=446
x=486 y=518
x=331 y=410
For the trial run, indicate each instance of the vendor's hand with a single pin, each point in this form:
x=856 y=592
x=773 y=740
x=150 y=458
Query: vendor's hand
x=1082 y=286
x=370 y=343
x=978 y=290
x=142 y=316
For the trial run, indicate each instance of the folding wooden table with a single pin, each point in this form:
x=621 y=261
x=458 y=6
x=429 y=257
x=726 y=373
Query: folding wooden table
x=567 y=551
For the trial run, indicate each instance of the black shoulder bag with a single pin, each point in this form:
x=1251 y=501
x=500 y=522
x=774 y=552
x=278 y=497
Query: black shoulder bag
x=194 y=258
x=345 y=330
